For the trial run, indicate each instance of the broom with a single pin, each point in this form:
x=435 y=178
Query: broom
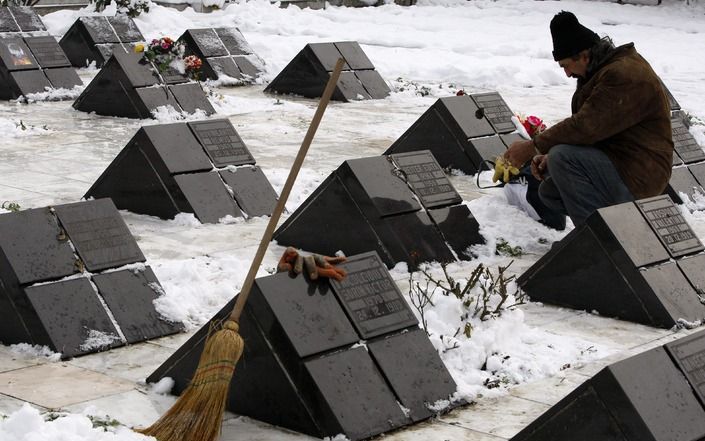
x=197 y=414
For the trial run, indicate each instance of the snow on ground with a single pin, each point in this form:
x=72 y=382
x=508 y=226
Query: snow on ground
x=426 y=51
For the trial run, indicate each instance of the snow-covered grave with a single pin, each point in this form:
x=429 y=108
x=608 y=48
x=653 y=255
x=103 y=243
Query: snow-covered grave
x=513 y=366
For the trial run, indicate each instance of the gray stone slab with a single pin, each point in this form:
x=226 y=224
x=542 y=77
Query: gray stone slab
x=328 y=55
x=177 y=147
x=130 y=296
x=159 y=96
x=354 y=55
x=99 y=234
x=374 y=83
x=27 y=18
x=7 y=21
x=30 y=81
x=208 y=42
x=63 y=77
x=191 y=97
x=234 y=41
x=35 y=247
x=208 y=197
x=126 y=29
x=247 y=65
x=99 y=29
x=252 y=191
x=70 y=312
x=224 y=66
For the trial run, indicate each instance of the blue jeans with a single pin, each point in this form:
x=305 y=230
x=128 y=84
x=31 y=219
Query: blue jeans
x=580 y=180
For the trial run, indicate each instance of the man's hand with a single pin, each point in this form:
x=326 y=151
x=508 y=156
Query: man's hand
x=519 y=153
x=539 y=166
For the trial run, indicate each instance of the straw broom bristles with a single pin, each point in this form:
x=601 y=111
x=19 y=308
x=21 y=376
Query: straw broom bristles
x=197 y=414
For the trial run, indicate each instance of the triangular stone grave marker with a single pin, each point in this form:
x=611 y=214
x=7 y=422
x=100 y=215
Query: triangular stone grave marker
x=402 y=206
x=637 y=261
x=303 y=367
x=308 y=73
x=65 y=284
x=93 y=39
x=200 y=167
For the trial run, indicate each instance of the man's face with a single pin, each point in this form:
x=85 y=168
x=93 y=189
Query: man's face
x=575 y=68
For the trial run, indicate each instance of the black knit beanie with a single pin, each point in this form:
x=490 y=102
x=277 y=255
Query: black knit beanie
x=569 y=36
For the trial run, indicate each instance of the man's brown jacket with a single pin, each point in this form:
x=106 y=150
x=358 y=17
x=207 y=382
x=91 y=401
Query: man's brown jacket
x=622 y=109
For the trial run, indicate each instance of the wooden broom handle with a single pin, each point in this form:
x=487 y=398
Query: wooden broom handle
x=279 y=208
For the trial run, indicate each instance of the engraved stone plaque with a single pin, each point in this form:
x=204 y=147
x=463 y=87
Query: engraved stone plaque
x=47 y=52
x=125 y=28
x=16 y=55
x=208 y=42
x=685 y=145
x=427 y=179
x=221 y=142
x=7 y=21
x=371 y=298
x=495 y=110
x=99 y=29
x=670 y=227
x=99 y=234
x=234 y=41
x=689 y=354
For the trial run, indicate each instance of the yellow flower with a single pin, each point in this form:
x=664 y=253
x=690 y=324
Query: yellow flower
x=139 y=47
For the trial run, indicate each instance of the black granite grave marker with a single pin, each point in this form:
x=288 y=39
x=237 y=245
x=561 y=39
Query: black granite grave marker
x=166 y=169
x=683 y=181
x=33 y=65
x=74 y=316
x=27 y=18
x=459 y=228
x=649 y=396
x=100 y=236
x=34 y=246
x=47 y=52
x=461 y=131
x=618 y=264
x=685 y=145
x=130 y=295
x=302 y=367
x=372 y=197
x=251 y=190
x=688 y=353
x=371 y=298
x=222 y=143
x=419 y=379
x=495 y=110
x=310 y=69
x=223 y=51
x=698 y=170
x=119 y=90
x=7 y=21
x=427 y=179
x=69 y=311
x=93 y=39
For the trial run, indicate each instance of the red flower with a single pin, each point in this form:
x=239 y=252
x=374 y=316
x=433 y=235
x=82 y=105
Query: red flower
x=533 y=125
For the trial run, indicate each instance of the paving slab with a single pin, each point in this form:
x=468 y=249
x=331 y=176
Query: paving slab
x=550 y=390
x=9 y=405
x=133 y=363
x=502 y=417
x=56 y=385
x=132 y=408
x=9 y=361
